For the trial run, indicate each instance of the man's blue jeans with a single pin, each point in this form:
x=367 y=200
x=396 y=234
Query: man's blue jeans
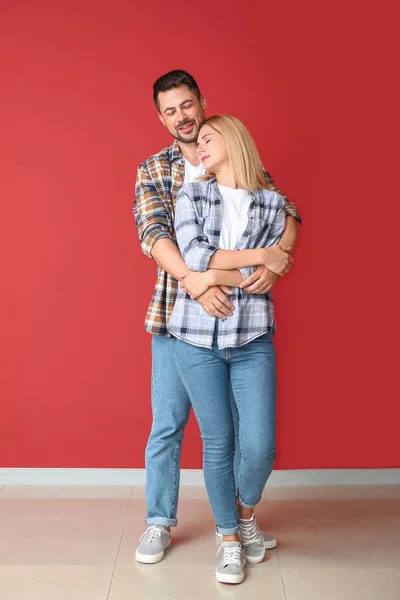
x=207 y=375
x=171 y=407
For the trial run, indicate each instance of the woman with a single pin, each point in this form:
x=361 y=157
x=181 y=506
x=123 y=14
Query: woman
x=226 y=224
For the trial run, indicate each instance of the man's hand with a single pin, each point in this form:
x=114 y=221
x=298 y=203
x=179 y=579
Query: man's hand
x=195 y=283
x=215 y=302
x=260 y=282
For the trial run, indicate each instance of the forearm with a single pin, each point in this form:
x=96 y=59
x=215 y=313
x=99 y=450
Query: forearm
x=290 y=234
x=167 y=254
x=236 y=259
x=223 y=277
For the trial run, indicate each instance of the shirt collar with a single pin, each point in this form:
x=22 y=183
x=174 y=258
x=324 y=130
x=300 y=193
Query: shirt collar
x=174 y=152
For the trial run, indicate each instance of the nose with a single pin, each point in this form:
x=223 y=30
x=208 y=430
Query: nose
x=180 y=115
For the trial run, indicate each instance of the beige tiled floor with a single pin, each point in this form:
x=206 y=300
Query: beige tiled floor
x=77 y=543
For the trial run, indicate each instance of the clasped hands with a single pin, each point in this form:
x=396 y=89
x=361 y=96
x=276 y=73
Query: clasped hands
x=201 y=286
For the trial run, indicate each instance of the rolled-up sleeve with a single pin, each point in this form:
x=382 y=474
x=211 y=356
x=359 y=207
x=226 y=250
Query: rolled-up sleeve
x=193 y=244
x=291 y=209
x=153 y=222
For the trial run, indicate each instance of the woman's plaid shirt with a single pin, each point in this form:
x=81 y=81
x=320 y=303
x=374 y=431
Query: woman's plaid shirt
x=198 y=230
x=158 y=182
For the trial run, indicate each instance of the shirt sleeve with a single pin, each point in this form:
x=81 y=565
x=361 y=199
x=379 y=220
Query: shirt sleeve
x=153 y=221
x=247 y=271
x=193 y=244
x=290 y=208
x=277 y=223
x=277 y=220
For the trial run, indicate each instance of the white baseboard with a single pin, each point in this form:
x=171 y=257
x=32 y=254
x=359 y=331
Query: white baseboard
x=298 y=477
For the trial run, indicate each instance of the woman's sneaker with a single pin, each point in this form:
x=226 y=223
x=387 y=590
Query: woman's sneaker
x=252 y=539
x=269 y=541
x=230 y=563
x=152 y=544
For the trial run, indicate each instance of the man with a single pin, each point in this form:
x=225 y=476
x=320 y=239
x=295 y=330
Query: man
x=181 y=109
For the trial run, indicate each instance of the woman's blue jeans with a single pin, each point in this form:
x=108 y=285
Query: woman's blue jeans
x=171 y=408
x=207 y=375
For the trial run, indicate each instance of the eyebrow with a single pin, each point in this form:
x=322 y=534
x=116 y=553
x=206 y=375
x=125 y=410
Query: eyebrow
x=204 y=136
x=181 y=104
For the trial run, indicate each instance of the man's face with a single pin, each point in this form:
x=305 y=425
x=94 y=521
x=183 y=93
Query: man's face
x=182 y=113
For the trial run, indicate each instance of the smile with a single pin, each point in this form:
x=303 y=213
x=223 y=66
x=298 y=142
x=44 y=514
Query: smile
x=188 y=127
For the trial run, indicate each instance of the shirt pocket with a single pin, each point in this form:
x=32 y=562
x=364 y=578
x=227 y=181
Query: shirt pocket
x=211 y=227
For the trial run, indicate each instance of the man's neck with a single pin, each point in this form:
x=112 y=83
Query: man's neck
x=189 y=151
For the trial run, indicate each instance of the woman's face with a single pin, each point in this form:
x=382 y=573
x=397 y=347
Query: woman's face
x=211 y=149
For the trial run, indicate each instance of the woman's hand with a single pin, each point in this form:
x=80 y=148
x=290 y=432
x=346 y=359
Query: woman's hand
x=277 y=259
x=196 y=283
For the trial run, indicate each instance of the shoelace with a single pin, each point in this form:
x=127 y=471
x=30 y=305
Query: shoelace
x=232 y=555
x=249 y=532
x=151 y=534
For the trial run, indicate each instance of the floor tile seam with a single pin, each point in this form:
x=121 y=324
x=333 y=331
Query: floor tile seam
x=130 y=501
x=281 y=574
x=59 y=565
x=176 y=567
x=13 y=519
x=344 y=569
x=270 y=526
x=331 y=520
x=65 y=497
x=126 y=520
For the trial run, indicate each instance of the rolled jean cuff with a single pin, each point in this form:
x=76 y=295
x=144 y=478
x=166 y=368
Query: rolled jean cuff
x=228 y=531
x=246 y=505
x=162 y=521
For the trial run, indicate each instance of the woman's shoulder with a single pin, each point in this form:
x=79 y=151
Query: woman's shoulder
x=196 y=189
x=270 y=197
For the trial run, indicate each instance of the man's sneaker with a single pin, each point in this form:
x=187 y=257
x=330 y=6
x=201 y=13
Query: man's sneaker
x=230 y=563
x=152 y=544
x=252 y=539
x=269 y=541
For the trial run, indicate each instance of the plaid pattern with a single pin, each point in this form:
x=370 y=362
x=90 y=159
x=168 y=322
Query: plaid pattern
x=158 y=182
x=197 y=227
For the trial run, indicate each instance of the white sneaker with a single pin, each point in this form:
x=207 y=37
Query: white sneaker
x=252 y=540
x=152 y=544
x=230 y=563
x=269 y=541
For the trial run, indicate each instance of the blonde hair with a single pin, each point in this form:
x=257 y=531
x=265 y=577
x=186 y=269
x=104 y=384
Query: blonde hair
x=242 y=153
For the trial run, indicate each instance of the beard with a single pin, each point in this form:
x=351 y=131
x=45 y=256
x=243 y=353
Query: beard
x=187 y=138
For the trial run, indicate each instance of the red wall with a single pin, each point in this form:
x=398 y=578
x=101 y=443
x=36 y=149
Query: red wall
x=312 y=81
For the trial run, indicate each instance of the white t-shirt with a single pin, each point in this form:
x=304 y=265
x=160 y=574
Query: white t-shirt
x=234 y=215
x=191 y=172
